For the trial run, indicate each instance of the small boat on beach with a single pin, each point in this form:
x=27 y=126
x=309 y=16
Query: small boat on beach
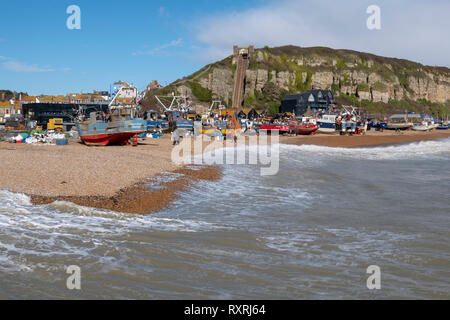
x=99 y=132
x=347 y=121
x=303 y=126
x=270 y=124
x=399 y=122
x=377 y=125
x=400 y=126
x=281 y=128
x=443 y=126
x=117 y=126
x=327 y=124
x=424 y=126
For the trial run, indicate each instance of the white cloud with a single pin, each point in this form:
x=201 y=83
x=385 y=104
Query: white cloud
x=411 y=29
x=2 y=58
x=23 y=67
x=160 y=49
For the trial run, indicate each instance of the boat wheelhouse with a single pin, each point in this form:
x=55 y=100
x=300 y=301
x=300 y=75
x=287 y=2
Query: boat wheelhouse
x=327 y=123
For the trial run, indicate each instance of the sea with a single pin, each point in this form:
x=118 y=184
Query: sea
x=315 y=230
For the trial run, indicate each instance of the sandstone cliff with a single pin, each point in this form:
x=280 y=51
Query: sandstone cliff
x=361 y=76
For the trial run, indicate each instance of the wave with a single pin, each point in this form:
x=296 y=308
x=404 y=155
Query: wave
x=437 y=149
x=64 y=229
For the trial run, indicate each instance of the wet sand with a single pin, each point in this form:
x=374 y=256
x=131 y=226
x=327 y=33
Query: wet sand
x=142 y=198
x=117 y=178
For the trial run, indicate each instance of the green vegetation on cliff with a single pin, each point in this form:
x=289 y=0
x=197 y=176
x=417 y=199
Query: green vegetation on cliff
x=201 y=93
x=275 y=72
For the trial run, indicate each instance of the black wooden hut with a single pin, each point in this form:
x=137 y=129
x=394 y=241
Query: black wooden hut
x=319 y=101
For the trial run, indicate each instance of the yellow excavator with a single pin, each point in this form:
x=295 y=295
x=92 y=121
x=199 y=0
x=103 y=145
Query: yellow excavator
x=56 y=124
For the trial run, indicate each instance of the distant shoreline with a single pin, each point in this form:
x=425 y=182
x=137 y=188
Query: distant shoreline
x=120 y=178
x=371 y=139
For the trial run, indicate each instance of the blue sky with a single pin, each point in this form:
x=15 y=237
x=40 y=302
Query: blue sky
x=140 y=41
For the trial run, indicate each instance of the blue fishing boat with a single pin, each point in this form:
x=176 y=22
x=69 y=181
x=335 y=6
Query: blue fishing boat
x=443 y=125
x=185 y=124
x=327 y=124
x=113 y=127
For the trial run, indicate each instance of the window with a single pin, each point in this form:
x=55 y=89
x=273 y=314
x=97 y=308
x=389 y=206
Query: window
x=320 y=95
x=311 y=98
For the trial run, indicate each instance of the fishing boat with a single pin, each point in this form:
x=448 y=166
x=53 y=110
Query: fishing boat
x=179 y=111
x=379 y=126
x=116 y=127
x=155 y=122
x=303 y=126
x=443 y=125
x=347 y=121
x=281 y=128
x=185 y=124
x=98 y=131
x=327 y=124
x=399 y=122
x=348 y=126
x=424 y=126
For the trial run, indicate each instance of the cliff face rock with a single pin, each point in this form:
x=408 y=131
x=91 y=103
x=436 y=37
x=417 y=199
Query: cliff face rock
x=322 y=80
x=362 y=75
x=255 y=81
x=219 y=82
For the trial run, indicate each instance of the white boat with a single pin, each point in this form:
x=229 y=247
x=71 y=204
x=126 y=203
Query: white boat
x=327 y=124
x=399 y=122
x=436 y=125
x=422 y=127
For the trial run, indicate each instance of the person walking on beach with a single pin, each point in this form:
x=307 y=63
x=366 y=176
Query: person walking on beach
x=175 y=137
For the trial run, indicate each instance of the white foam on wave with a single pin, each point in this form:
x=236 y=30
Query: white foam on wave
x=322 y=246
x=424 y=149
x=64 y=229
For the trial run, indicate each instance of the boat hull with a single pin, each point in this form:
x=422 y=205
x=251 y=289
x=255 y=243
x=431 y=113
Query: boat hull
x=326 y=127
x=113 y=133
x=281 y=129
x=107 y=139
x=185 y=124
x=422 y=128
x=443 y=128
x=304 y=130
x=399 y=126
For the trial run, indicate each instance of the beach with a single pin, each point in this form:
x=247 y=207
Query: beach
x=117 y=177
x=308 y=232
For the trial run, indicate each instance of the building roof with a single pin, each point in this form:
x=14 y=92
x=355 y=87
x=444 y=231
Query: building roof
x=29 y=98
x=312 y=96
